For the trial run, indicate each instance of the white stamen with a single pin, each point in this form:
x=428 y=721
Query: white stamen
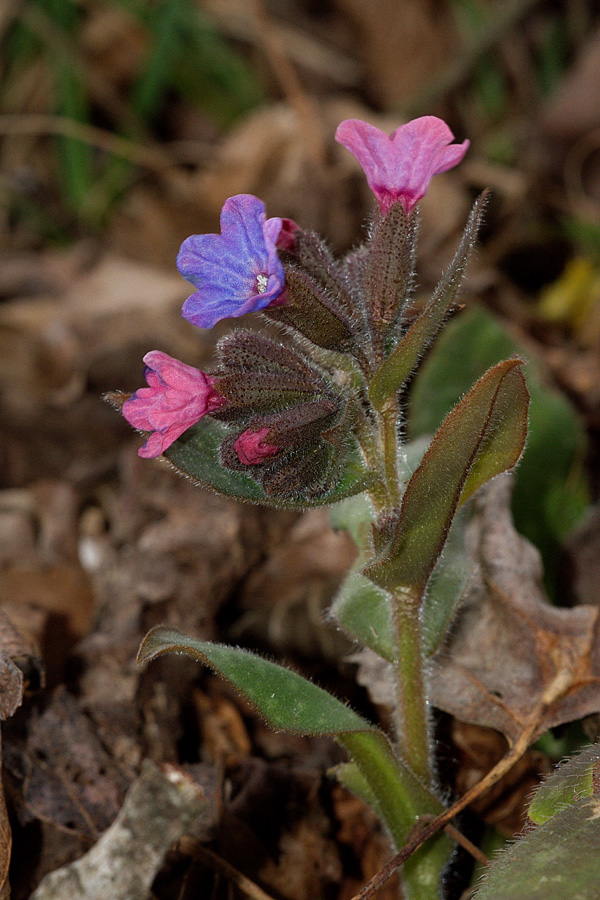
x=261 y=283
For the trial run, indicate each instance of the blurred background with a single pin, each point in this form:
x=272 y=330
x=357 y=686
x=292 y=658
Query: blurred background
x=124 y=125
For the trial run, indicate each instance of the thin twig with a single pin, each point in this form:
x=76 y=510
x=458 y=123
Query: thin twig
x=557 y=687
x=290 y=84
x=468 y=845
x=220 y=865
x=152 y=159
x=439 y=822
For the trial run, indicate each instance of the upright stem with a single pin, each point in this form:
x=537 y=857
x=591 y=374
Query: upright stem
x=413 y=713
x=413 y=718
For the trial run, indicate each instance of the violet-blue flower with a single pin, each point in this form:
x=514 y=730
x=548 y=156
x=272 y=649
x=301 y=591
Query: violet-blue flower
x=176 y=398
x=237 y=271
x=400 y=166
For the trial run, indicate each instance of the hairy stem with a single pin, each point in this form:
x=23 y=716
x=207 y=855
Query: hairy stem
x=412 y=709
x=556 y=689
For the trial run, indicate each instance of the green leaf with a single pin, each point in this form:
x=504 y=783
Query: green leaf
x=572 y=780
x=289 y=702
x=285 y=699
x=196 y=454
x=351 y=777
x=559 y=860
x=421 y=873
x=153 y=82
x=189 y=57
x=482 y=436
x=354 y=515
x=550 y=486
x=363 y=609
x=75 y=158
x=400 y=364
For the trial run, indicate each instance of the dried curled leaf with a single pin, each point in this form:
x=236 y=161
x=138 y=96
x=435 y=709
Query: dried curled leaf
x=513 y=661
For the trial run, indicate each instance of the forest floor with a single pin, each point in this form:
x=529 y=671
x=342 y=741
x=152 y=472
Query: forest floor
x=121 y=133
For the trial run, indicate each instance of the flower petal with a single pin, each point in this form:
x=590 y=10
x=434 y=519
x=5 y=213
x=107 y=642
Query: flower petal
x=176 y=398
x=226 y=267
x=400 y=166
x=250 y=448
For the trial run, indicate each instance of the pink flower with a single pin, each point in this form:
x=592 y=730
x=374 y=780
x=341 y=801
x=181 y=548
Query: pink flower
x=250 y=448
x=176 y=398
x=401 y=165
x=287 y=235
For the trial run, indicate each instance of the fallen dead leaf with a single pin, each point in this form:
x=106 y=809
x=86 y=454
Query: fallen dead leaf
x=360 y=831
x=575 y=107
x=160 y=805
x=5 y=844
x=506 y=627
x=71 y=781
x=13 y=650
x=402 y=45
x=224 y=735
x=284 y=600
x=477 y=750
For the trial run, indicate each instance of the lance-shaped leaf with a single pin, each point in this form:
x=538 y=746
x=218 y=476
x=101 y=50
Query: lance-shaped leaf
x=482 y=436
x=196 y=454
x=289 y=702
x=551 y=486
x=403 y=360
x=556 y=861
x=363 y=609
x=574 y=779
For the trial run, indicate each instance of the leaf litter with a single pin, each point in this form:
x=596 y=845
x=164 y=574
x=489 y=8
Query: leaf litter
x=95 y=549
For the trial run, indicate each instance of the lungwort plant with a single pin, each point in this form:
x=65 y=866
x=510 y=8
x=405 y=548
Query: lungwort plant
x=315 y=418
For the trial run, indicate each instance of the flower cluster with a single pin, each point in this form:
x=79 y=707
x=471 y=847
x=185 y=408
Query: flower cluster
x=291 y=409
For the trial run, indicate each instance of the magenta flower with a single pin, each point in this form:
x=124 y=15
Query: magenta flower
x=250 y=448
x=401 y=165
x=176 y=398
x=287 y=236
x=237 y=271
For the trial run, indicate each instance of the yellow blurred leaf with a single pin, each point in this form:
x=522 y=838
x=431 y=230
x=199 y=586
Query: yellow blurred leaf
x=573 y=296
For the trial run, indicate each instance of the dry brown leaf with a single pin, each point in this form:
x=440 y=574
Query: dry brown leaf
x=51 y=345
x=582 y=559
x=514 y=662
x=224 y=734
x=402 y=44
x=13 y=649
x=477 y=751
x=5 y=844
x=11 y=684
x=70 y=780
x=159 y=807
x=575 y=107
x=285 y=598
x=369 y=848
